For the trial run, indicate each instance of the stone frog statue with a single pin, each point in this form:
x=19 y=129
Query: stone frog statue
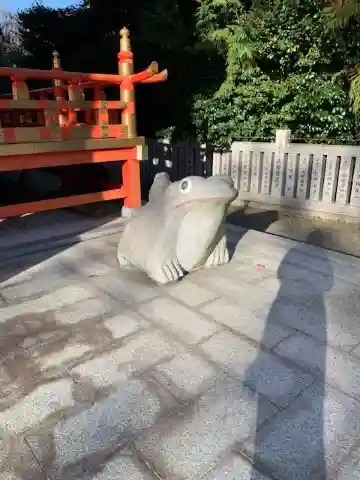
x=180 y=229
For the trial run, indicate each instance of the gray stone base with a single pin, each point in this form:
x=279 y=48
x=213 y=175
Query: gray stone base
x=127 y=212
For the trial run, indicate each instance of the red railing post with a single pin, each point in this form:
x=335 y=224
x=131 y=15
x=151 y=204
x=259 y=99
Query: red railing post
x=58 y=91
x=126 y=68
x=131 y=167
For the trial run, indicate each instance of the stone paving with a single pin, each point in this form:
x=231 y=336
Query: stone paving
x=250 y=371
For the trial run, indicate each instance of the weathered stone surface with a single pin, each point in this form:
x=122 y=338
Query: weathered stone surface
x=186 y=376
x=135 y=355
x=261 y=371
x=345 y=180
x=249 y=296
x=356 y=351
x=128 y=288
x=191 y=442
x=34 y=408
x=350 y=469
x=292 y=291
x=62 y=297
x=124 y=467
x=180 y=229
x=291 y=167
x=124 y=324
x=246 y=322
x=266 y=173
x=318 y=319
x=342 y=313
x=63 y=357
x=79 y=311
x=248 y=269
x=36 y=285
x=235 y=467
x=333 y=366
x=310 y=438
x=81 y=262
x=189 y=325
x=75 y=444
x=17 y=462
x=73 y=293
x=189 y=293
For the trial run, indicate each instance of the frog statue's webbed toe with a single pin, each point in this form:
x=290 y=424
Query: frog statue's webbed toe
x=219 y=255
x=123 y=262
x=168 y=271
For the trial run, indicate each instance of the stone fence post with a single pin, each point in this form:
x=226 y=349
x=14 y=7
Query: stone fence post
x=282 y=141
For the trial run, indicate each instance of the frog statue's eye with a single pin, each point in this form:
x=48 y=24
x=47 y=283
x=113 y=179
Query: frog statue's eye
x=185 y=186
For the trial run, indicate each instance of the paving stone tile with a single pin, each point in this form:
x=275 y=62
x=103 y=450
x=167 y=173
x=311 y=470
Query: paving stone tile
x=333 y=366
x=45 y=340
x=16 y=329
x=350 y=468
x=129 y=287
x=246 y=322
x=29 y=267
x=68 y=295
x=77 y=444
x=235 y=467
x=274 y=250
x=17 y=462
x=81 y=262
x=342 y=315
x=15 y=272
x=315 y=320
x=23 y=375
x=249 y=270
x=125 y=324
x=63 y=357
x=249 y=296
x=40 y=340
x=297 y=268
x=135 y=355
x=37 y=306
x=190 y=442
x=356 y=351
x=34 y=408
x=189 y=325
x=79 y=311
x=186 y=376
x=297 y=291
x=189 y=292
x=123 y=466
x=262 y=371
x=310 y=438
x=74 y=293
x=36 y=285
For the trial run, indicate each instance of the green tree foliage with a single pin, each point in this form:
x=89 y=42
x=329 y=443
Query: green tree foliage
x=284 y=66
x=345 y=14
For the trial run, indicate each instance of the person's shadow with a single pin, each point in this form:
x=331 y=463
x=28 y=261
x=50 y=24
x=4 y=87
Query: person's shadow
x=289 y=453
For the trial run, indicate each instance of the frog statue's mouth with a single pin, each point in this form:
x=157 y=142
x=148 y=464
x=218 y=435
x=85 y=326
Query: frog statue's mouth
x=218 y=189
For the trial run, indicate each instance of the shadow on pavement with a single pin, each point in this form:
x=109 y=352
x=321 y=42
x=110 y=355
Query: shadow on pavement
x=284 y=446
